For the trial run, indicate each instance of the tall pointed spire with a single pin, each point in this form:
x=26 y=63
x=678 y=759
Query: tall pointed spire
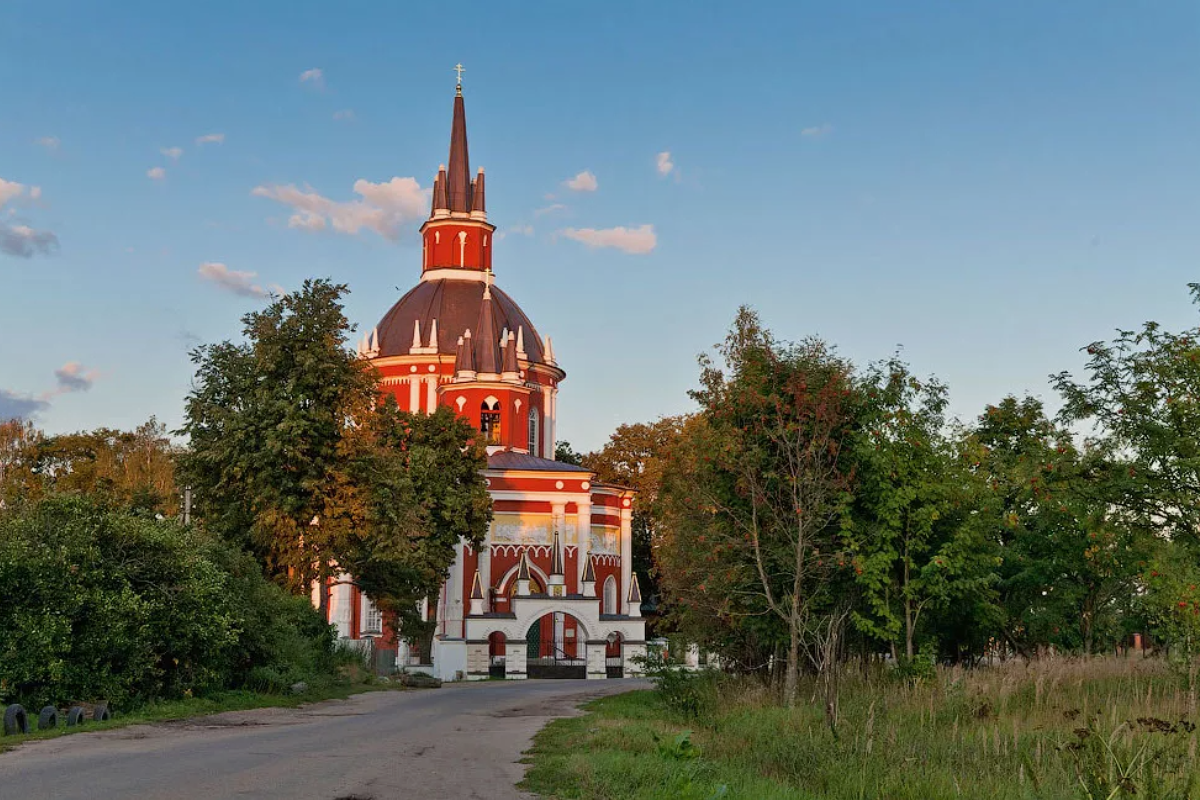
x=459 y=188
x=556 y=559
x=487 y=341
x=478 y=201
x=441 y=200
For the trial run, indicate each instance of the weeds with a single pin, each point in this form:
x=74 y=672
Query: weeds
x=1006 y=733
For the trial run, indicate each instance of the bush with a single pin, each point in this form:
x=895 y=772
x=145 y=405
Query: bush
x=688 y=693
x=97 y=603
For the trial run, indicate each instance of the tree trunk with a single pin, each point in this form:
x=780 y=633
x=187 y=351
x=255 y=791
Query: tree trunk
x=792 y=681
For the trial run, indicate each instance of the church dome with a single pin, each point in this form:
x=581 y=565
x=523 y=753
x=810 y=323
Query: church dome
x=456 y=305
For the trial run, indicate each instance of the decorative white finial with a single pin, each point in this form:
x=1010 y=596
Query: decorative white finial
x=460 y=70
x=433 y=335
x=521 y=341
x=416 y=345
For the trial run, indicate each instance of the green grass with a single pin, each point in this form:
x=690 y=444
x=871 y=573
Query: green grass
x=1043 y=731
x=167 y=710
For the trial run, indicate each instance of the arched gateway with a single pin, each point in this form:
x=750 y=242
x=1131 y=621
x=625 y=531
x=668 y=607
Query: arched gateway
x=558 y=538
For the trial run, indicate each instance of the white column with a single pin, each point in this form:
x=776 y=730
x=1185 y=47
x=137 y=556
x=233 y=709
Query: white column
x=414 y=395
x=485 y=572
x=583 y=528
x=553 y=420
x=626 y=557
x=430 y=395
x=547 y=426
x=339 y=606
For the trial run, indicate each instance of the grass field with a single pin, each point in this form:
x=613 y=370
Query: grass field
x=1096 y=728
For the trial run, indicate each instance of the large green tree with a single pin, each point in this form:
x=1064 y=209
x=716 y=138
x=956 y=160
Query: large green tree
x=773 y=472
x=915 y=543
x=266 y=422
x=419 y=480
x=634 y=457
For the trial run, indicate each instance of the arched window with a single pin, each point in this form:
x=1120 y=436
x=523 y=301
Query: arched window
x=534 y=430
x=489 y=421
x=610 y=595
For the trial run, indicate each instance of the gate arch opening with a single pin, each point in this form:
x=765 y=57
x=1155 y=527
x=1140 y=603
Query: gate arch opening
x=556 y=647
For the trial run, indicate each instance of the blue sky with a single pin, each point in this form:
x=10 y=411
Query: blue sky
x=988 y=185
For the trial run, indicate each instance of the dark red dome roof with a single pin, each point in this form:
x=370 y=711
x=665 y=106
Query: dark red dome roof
x=455 y=305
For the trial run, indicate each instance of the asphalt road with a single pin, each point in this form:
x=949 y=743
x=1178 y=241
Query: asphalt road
x=461 y=741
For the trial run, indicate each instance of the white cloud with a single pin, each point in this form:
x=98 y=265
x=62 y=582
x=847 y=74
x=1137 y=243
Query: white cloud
x=346 y=114
x=73 y=377
x=630 y=240
x=232 y=280
x=515 y=230
x=21 y=240
x=384 y=209
x=25 y=242
x=51 y=143
x=156 y=173
x=817 y=131
x=19 y=406
x=314 y=76
x=9 y=190
x=583 y=182
x=550 y=209
x=172 y=153
x=664 y=163
x=211 y=138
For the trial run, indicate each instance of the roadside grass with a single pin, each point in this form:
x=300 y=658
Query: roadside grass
x=214 y=703
x=1059 y=728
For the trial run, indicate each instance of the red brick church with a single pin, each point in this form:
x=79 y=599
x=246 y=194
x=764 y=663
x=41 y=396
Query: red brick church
x=551 y=592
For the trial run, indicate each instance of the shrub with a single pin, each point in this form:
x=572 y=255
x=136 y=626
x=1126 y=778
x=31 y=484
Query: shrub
x=97 y=603
x=688 y=693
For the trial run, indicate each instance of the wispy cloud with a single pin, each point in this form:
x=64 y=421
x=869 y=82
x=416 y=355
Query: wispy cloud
x=550 y=209
x=664 y=163
x=232 y=280
x=51 y=143
x=156 y=173
x=19 y=406
x=18 y=239
x=345 y=115
x=172 y=153
x=385 y=208
x=515 y=230
x=817 y=131
x=638 y=241
x=313 y=77
x=583 y=182
x=23 y=241
x=210 y=138
x=70 y=377
x=73 y=377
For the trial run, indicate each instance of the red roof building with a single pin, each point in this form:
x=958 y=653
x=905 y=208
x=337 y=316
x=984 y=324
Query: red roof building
x=551 y=592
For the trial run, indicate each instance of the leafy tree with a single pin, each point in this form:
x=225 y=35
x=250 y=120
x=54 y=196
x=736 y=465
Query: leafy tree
x=422 y=492
x=915 y=544
x=774 y=475
x=1141 y=399
x=634 y=456
x=267 y=421
x=131 y=469
x=18 y=445
x=1066 y=559
x=566 y=454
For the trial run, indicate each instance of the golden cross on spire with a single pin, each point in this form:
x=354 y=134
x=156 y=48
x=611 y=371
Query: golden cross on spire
x=460 y=70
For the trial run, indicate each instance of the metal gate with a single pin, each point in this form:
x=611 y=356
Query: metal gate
x=614 y=667
x=549 y=660
x=496 y=667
